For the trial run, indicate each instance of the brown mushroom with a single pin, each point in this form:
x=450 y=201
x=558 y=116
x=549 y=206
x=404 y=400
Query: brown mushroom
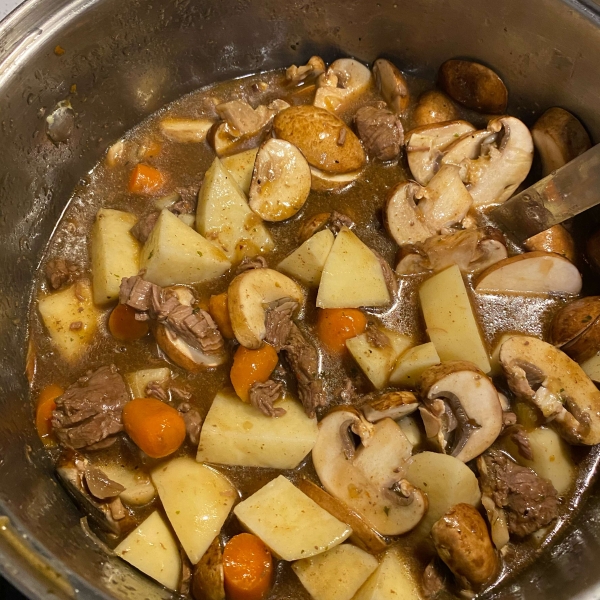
x=556 y=239
x=391 y=85
x=575 y=328
x=473 y=85
x=392 y=405
x=208 y=581
x=434 y=107
x=462 y=541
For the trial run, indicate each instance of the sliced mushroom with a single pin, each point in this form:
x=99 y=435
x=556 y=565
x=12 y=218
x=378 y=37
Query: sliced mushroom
x=403 y=219
x=391 y=85
x=100 y=485
x=556 y=239
x=313 y=68
x=559 y=137
x=369 y=478
x=344 y=81
x=434 y=107
x=462 y=541
x=392 y=405
x=325 y=182
x=208 y=581
x=425 y=147
x=505 y=154
x=280 y=181
x=474 y=86
x=497 y=520
x=225 y=143
x=241 y=119
x=467 y=408
x=575 y=328
x=546 y=377
x=249 y=294
x=185 y=130
x=363 y=535
x=326 y=142
x=533 y=272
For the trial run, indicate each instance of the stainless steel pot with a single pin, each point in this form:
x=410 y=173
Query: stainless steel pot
x=127 y=59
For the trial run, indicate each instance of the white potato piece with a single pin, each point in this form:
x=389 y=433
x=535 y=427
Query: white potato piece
x=412 y=431
x=447 y=482
x=71 y=305
x=451 y=322
x=280 y=181
x=139 y=489
x=240 y=166
x=291 y=524
x=591 y=366
x=224 y=217
x=236 y=433
x=392 y=580
x=176 y=254
x=306 y=263
x=412 y=363
x=115 y=253
x=185 y=130
x=139 y=380
x=352 y=275
x=197 y=500
x=552 y=458
x=321 y=181
x=377 y=363
x=531 y=272
x=336 y=574
x=188 y=220
x=152 y=549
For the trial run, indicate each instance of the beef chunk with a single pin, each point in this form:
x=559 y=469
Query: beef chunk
x=303 y=359
x=278 y=322
x=258 y=262
x=88 y=414
x=196 y=327
x=193 y=422
x=530 y=502
x=380 y=131
x=518 y=435
x=376 y=337
x=136 y=292
x=264 y=395
x=143 y=228
x=180 y=393
x=155 y=390
x=337 y=220
x=59 y=272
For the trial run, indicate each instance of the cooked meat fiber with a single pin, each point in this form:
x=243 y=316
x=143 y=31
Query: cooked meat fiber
x=192 y=420
x=530 y=501
x=264 y=395
x=376 y=337
x=136 y=292
x=278 y=322
x=518 y=435
x=380 y=131
x=391 y=281
x=155 y=390
x=337 y=220
x=59 y=272
x=143 y=228
x=88 y=414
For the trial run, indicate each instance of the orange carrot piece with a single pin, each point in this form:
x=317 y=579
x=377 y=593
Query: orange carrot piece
x=336 y=325
x=219 y=311
x=247 y=568
x=250 y=366
x=123 y=325
x=150 y=149
x=43 y=414
x=145 y=179
x=155 y=427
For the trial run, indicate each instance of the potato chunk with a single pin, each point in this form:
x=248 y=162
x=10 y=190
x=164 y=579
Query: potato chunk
x=306 y=262
x=139 y=380
x=71 y=306
x=240 y=166
x=175 y=253
x=291 y=524
x=450 y=319
x=197 y=501
x=377 y=363
x=391 y=581
x=152 y=549
x=224 y=217
x=115 y=253
x=236 y=433
x=352 y=275
x=413 y=363
x=336 y=574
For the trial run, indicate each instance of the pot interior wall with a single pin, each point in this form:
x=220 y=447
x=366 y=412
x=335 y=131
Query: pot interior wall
x=124 y=60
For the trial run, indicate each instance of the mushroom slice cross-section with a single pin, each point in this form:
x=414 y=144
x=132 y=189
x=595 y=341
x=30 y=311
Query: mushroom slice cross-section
x=466 y=405
x=392 y=85
x=368 y=479
x=249 y=295
x=344 y=81
x=546 y=377
x=403 y=219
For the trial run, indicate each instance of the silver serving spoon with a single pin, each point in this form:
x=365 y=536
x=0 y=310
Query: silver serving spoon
x=561 y=195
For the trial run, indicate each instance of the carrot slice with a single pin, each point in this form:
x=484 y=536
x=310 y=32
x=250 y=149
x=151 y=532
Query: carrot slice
x=250 y=366
x=219 y=311
x=336 y=325
x=247 y=568
x=43 y=414
x=155 y=427
x=145 y=179
x=123 y=325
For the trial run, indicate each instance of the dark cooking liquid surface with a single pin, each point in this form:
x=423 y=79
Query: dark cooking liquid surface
x=185 y=164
